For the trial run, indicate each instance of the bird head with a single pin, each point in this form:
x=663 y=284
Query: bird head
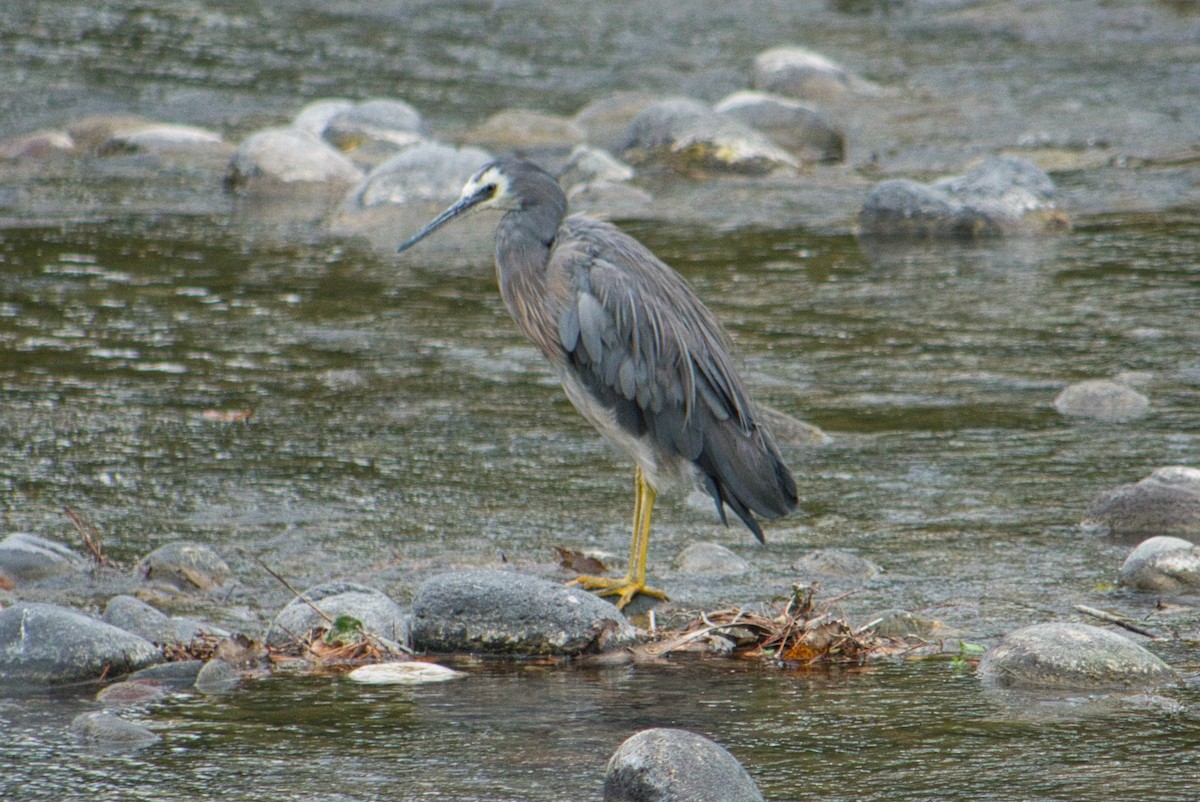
x=490 y=188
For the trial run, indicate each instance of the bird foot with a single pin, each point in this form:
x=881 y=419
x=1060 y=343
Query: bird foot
x=625 y=587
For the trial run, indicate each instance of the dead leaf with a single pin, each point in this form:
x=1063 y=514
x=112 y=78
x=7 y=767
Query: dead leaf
x=579 y=562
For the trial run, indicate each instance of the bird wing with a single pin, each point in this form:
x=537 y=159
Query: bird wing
x=639 y=339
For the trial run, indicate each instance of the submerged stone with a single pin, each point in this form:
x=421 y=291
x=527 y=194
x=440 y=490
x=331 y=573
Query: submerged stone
x=1102 y=400
x=1000 y=196
x=1167 y=502
x=836 y=563
x=374 y=609
x=108 y=731
x=688 y=137
x=672 y=765
x=26 y=558
x=502 y=612
x=45 y=643
x=1080 y=656
x=184 y=566
x=1162 y=565
x=710 y=558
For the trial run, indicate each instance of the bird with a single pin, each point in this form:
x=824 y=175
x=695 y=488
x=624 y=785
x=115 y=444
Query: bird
x=638 y=354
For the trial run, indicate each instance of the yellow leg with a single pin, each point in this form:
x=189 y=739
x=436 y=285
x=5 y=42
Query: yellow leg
x=634 y=581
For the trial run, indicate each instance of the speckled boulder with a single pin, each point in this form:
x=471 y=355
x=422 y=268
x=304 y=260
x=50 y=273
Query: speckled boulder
x=673 y=765
x=1102 y=400
x=184 y=566
x=45 y=643
x=804 y=131
x=1163 y=565
x=377 y=612
x=282 y=159
x=1167 y=502
x=1071 y=656
x=503 y=612
x=686 y=136
x=1001 y=196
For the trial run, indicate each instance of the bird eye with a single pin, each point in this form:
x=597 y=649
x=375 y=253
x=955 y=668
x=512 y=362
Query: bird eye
x=490 y=189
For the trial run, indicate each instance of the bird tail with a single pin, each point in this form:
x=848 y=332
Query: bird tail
x=745 y=472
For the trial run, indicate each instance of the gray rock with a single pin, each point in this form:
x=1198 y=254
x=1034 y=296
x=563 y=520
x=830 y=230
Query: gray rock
x=430 y=172
x=503 y=612
x=216 y=677
x=1167 y=502
x=1102 y=400
x=26 y=558
x=134 y=615
x=904 y=624
x=160 y=137
x=526 y=133
x=688 y=137
x=45 y=643
x=375 y=130
x=587 y=165
x=609 y=200
x=184 y=566
x=176 y=676
x=998 y=197
x=37 y=146
x=835 y=563
x=802 y=73
x=315 y=116
x=710 y=558
x=374 y=609
x=671 y=765
x=802 y=130
x=1162 y=565
x=606 y=119
x=130 y=693
x=1061 y=655
x=280 y=159
x=107 y=731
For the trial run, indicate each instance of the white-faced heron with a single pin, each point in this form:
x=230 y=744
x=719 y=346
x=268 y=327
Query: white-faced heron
x=638 y=355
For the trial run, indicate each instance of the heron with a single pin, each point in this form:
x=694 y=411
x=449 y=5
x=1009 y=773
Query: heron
x=638 y=355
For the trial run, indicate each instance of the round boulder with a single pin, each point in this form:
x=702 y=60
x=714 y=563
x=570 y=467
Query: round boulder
x=134 y=615
x=315 y=116
x=1102 y=400
x=672 y=765
x=1067 y=656
x=1167 y=502
x=526 y=132
x=184 y=566
x=280 y=159
x=688 y=137
x=998 y=197
x=26 y=558
x=1163 y=565
x=501 y=612
x=375 y=610
x=801 y=73
x=49 y=644
x=803 y=130
x=375 y=130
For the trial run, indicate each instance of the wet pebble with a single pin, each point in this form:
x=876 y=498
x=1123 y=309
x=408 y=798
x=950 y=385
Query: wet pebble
x=710 y=558
x=1167 y=502
x=1000 y=196
x=278 y=160
x=130 y=693
x=184 y=566
x=46 y=643
x=686 y=136
x=672 y=765
x=26 y=558
x=375 y=610
x=108 y=731
x=1068 y=655
x=502 y=612
x=1102 y=400
x=802 y=130
x=835 y=564
x=1162 y=565
x=373 y=131
x=217 y=677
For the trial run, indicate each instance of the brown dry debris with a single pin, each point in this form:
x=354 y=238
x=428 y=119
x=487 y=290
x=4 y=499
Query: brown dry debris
x=798 y=636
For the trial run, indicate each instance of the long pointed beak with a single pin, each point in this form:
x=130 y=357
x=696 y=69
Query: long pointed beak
x=462 y=206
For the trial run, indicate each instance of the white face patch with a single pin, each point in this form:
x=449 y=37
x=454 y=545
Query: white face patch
x=501 y=196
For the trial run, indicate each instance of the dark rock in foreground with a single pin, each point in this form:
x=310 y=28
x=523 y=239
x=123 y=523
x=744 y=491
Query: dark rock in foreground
x=1001 y=196
x=670 y=765
x=1167 y=502
x=374 y=609
x=502 y=612
x=45 y=643
x=1162 y=565
x=1072 y=656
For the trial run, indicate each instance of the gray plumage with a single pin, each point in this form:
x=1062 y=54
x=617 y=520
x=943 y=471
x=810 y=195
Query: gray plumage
x=637 y=352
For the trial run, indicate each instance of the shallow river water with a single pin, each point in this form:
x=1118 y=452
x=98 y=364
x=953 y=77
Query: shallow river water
x=401 y=425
